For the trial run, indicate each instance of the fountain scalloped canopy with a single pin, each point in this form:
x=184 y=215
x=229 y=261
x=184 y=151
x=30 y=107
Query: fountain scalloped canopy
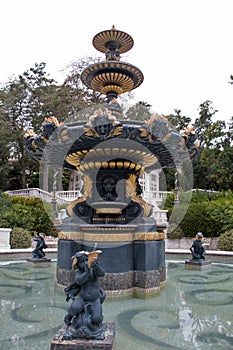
x=113 y=39
x=112 y=77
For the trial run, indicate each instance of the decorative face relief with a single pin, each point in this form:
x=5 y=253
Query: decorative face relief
x=107 y=187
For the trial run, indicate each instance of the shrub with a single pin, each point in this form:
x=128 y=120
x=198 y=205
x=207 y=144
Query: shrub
x=62 y=206
x=174 y=232
x=5 y=205
x=196 y=219
x=191 y=219
x=31 y=214
x=20 y=238
x=212 y=217
x=220 y=212
x=225 y=241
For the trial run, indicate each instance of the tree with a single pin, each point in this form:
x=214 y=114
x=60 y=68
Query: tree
x=20 y=108
x=84 y=96
x=178 y=121
x=225 y=169
x=4 y=156
x=139 y=111
x=207 y=130
x=213 y=169
x=24 y=103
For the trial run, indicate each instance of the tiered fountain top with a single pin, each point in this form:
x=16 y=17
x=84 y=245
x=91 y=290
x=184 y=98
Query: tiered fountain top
x=147 y=144
x=112 y=77
x=113 y=40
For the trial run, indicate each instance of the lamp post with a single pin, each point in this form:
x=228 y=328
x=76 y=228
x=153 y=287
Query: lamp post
x=54 y=197
x=176 y=187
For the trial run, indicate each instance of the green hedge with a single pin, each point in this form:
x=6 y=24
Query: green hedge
x=5 y=205
x=212 y=217
x=174 y=232
x=20 y=238
x=221 y=213
x=197 y=220
x=225 y=241
x=29 y=213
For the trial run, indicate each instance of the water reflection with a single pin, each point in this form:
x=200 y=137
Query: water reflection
x=193 y=311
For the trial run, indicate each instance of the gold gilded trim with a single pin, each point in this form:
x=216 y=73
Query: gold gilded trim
x=88 y=186
x=73 y=236
x=101 y=40
x=96 y=237
x=131 y=192
x=108 y=211
x=149 y=236
x=131 y=186
x=112 y=237
x=72 y=205
x=109 y=229
x=100 y=74
x=75 y=158
x=116 y=88
x=122 y=237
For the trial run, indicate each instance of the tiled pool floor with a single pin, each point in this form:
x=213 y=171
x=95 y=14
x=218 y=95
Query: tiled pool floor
x=193 y=311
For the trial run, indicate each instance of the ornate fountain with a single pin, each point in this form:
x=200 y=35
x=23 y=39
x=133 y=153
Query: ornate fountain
x=112 y=153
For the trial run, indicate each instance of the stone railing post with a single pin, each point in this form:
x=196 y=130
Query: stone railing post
x=5 y=238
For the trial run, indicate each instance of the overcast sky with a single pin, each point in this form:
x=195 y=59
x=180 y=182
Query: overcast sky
x=183 y=47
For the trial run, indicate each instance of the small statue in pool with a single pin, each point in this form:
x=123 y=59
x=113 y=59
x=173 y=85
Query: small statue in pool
x=197 y=249
x=38 y=252
x=84 y=318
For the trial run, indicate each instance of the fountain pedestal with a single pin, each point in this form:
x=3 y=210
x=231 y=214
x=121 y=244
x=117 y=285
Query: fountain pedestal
x=197 y=264
x=133 y=255
x=37 y=262
x=85 y=344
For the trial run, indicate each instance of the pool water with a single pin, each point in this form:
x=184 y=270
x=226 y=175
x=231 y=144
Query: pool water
x=193 y=311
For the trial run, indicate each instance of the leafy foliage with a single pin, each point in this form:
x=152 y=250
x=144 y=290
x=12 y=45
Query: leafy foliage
x=20 y=238
x=20 y=108
x=5 y=204
x=221 y=213
x=83 y=95
x=175 y=232
x=214 y=167
x=177 y=121
x=209 y=213
x=225 y=241
x=24 y=103
x=139 y=111
x=28 y=213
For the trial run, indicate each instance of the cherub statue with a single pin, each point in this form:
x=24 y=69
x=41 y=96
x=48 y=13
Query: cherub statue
x=84 y=318
x=38 y=252
x=197 y=249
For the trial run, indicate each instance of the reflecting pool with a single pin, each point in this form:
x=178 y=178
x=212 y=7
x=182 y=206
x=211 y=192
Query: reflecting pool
x=193 y=311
